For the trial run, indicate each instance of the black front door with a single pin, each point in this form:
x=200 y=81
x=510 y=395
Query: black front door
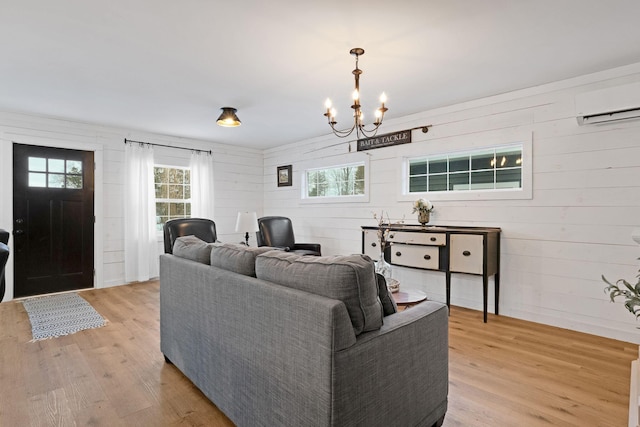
x=53 y=219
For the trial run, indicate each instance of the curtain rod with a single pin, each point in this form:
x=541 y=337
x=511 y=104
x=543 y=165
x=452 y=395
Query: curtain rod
x=169 y=146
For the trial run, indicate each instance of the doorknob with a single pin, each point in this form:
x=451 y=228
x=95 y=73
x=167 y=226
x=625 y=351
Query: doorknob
x=18 y=232
x=19 y=221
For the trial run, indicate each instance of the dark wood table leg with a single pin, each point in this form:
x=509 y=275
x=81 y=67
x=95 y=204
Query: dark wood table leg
x=496 y=279
x=448 y=291
x=485 y=295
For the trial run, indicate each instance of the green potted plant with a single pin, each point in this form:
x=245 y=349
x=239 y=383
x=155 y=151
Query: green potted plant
x=631 y=294
x=629 y=291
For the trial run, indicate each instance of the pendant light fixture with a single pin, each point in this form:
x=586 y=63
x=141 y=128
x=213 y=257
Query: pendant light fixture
x=358 y=117
x=228 y=118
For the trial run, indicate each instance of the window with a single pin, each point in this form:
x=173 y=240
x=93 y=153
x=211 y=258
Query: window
x=338 y=181
x=55 y=173
x=173 y=194
x=497 y=168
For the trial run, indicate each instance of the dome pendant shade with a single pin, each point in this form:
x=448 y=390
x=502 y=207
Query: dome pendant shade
x=228 y=118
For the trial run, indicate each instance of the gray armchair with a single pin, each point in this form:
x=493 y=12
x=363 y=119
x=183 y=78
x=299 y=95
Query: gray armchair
x=277 y=231
x=203 y=229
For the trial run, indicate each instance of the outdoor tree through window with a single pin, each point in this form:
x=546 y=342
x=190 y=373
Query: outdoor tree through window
x=173 y=194
x=337 y=181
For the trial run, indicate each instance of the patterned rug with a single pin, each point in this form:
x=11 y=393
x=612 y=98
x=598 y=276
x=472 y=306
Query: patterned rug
x=62 y=314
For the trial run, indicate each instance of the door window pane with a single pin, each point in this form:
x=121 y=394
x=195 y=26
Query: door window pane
x=56 y=180
x=56 y=165
x=37 y=179
x=37 y=164
x=57 y=173
x=74 y=167
x=73 y=181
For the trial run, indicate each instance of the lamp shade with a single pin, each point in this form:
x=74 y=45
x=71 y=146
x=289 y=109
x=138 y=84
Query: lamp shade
x=228 y=118
x=247 y=221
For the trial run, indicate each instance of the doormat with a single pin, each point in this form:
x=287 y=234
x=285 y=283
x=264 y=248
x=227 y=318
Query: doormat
x=62 y=314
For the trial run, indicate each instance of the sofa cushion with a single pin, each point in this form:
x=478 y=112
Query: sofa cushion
x=389 y=305
x=348 y=278
x=190 y=247
x=238 y=258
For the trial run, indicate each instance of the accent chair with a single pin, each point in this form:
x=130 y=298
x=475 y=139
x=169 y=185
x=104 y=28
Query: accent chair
x=204 y=229
x=277 y=231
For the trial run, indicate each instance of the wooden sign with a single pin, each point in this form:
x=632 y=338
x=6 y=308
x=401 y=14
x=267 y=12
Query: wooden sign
x=386 y=140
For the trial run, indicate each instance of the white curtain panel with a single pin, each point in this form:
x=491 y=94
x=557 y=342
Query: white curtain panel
x=140 y=239
x=201 y=165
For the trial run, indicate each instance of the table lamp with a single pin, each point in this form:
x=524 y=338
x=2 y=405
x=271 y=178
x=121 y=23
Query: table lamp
x=247 y=221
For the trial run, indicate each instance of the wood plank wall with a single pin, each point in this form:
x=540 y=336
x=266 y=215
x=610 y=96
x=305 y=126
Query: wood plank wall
x=576 y=226
x=238 y=179
x=555 y=246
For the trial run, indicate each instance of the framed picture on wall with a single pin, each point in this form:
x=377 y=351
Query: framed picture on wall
x=284 y=176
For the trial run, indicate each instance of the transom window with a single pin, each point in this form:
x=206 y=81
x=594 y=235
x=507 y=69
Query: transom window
x=338 y=181
x=479 y=170
x=173 y=194
x=55 y=173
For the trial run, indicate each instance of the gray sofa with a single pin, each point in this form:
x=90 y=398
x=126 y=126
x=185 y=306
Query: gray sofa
x=273 y=353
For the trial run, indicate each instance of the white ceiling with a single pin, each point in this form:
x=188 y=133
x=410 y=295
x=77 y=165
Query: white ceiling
x=167 y=66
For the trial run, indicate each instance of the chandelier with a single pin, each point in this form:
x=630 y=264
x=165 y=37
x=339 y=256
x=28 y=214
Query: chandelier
x=358 y=117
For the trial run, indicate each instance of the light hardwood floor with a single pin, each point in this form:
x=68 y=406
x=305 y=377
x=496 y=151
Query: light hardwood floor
x=506 y=372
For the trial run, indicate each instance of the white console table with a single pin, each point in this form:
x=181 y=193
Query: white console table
x=470 y=250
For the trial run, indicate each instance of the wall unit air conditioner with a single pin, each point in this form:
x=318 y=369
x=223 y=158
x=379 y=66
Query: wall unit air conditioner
x=608 y=105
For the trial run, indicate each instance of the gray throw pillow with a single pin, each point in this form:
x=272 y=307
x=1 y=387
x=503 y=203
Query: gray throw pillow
x=349 y=278
x=190 y=247
x=389 y=305
x=240 y=259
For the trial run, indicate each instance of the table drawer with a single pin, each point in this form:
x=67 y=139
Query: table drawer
x=371 y=244
x=415 y=256
x=466 y=253
x=435 y=239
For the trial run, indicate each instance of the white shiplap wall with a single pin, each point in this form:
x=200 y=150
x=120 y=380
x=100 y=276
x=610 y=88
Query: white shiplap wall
x=238 y=179
x=555 y=245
